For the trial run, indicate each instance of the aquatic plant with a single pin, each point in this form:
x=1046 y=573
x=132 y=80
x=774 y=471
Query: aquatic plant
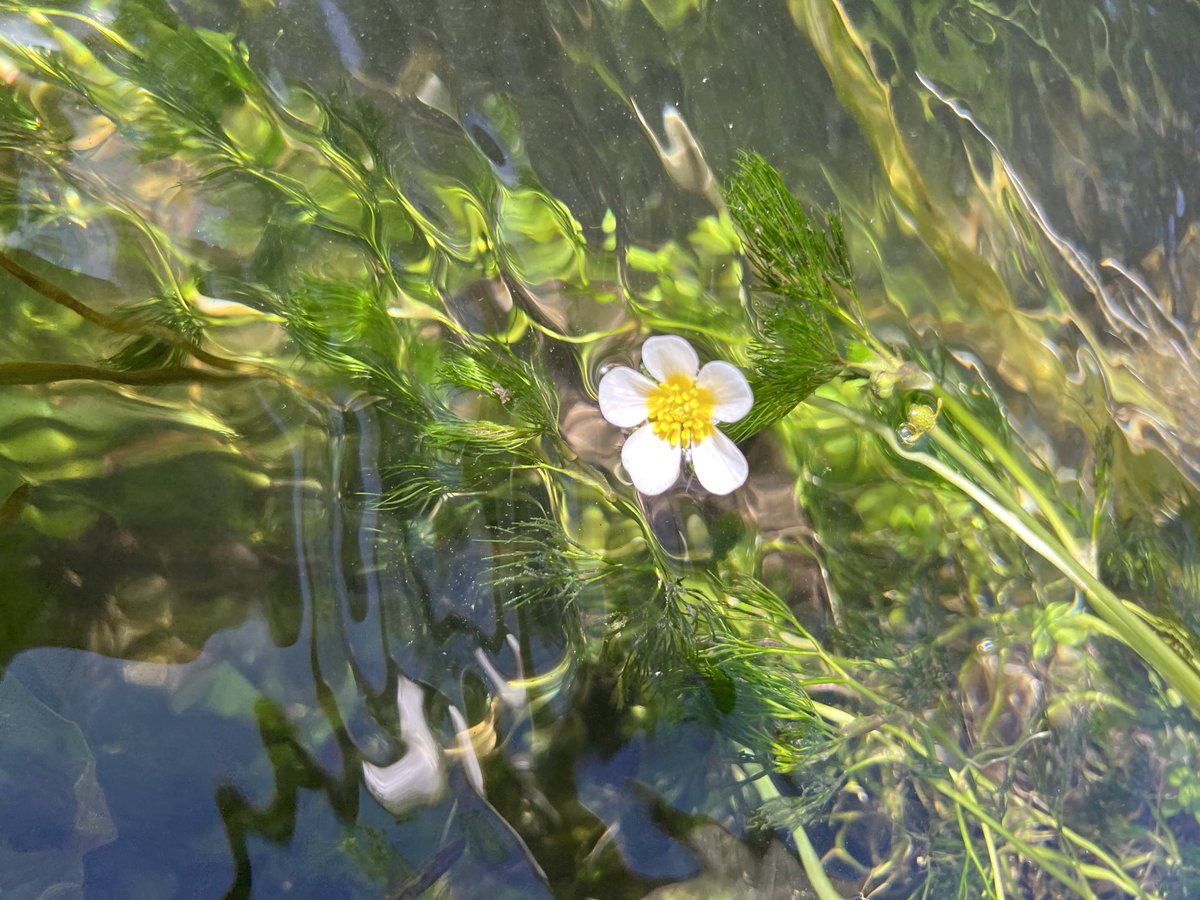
x=914 y=657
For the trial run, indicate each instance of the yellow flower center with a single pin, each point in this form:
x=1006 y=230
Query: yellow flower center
x=680 y=411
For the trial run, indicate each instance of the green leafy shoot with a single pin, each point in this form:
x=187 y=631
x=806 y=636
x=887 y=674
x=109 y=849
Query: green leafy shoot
x=520 y=386
x=794 y=355
x=479 y=437
x=448 y=455
x=805 y=286
x=342 y=324
x=146 y=351
x=790 y=254
x=488 y=425
x=538 y=564
x=651 y=643
x=413 y=487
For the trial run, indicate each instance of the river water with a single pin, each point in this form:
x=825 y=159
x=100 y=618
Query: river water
x=229 y=670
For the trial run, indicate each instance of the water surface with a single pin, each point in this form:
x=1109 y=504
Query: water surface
x=210 y=622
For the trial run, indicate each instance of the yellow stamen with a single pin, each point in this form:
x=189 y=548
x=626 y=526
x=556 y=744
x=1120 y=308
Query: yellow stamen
x=681 y=411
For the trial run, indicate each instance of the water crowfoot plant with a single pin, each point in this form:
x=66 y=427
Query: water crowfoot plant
x=880 y=648
x=780 y=242
x=676 y=416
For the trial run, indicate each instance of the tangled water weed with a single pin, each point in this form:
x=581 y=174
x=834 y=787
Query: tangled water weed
x=315 y=482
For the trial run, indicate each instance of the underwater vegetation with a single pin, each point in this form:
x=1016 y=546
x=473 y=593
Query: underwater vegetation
x=418 y=531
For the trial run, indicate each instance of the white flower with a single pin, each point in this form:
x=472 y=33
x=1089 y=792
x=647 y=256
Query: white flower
x=677 y=412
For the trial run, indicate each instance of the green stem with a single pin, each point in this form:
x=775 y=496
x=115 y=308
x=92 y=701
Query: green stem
x=808 y=855
x=812 y=866
x=1134 y=631
x=891 y=732
x=965 y=801
x=51 y=372
x=64 y=298
x=994 y=862
x=961 y=415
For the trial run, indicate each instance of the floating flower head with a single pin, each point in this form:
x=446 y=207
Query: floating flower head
x=675 y=414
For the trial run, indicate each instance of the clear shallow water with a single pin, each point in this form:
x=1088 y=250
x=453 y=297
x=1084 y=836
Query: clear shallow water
x=206 y=621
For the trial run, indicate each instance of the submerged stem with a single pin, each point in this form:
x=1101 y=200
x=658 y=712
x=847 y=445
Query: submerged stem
x=1019 y=473
x=49 y=373
x=808 y=855
x=64 y=298
x=1133 y=630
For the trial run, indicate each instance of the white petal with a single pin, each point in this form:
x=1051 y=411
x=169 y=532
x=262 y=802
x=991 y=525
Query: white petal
x=719 y=464
x=729 y=388
x=623 y=395
x=652 y=463
x=665 y=355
